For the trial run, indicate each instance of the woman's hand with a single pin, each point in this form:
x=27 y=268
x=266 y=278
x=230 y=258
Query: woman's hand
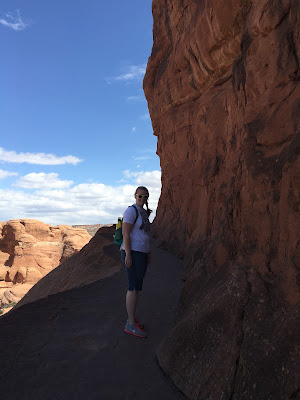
x=128 y=260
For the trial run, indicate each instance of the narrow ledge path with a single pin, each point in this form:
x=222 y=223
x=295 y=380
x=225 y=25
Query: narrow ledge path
x=71 y=345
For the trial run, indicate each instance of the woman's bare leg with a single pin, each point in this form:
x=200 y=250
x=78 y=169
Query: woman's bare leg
x=131 y=302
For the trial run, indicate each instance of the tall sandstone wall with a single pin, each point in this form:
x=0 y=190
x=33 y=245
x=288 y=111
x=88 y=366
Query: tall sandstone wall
x=222 y=85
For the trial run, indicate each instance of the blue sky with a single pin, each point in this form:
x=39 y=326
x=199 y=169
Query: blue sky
x=76 y=137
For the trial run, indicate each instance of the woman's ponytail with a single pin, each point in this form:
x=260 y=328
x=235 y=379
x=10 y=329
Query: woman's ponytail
x=148 y=211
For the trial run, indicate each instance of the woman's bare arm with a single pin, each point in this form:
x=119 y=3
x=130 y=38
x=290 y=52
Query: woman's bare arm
x=126 y=229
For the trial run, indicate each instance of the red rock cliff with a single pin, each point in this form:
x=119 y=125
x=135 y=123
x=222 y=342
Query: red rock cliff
x=222 y=85
x=29 y=250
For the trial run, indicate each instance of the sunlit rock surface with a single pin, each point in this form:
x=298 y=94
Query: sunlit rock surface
x=99 y=259
x=30 y=249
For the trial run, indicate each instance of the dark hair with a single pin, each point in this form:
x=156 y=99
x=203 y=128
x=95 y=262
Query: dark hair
x=148 y=211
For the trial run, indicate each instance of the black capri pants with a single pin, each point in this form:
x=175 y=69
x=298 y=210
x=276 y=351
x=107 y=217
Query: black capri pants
x=137 y=271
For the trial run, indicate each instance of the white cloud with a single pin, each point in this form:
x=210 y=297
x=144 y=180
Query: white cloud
x=5 y=174
x=42 y=180
x=142 y=158
x=133 y=129
x=148 y=178
x=36 y=158
x=14 y=21
x=135 y=98
x=86 y=203
x=130 y=73
x=145 y=116
x=149 y=150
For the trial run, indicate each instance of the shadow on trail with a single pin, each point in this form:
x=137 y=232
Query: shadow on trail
x=71 y=345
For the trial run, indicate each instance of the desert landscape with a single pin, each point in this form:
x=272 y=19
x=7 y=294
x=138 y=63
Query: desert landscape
x=221 y=302
x=29 y=250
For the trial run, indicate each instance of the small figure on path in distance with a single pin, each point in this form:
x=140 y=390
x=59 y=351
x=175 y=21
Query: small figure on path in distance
x=135 y=254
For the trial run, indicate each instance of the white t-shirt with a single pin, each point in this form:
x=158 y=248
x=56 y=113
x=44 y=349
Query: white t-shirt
x=139 y=235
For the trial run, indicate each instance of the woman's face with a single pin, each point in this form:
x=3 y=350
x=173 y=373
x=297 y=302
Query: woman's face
x=139 y=197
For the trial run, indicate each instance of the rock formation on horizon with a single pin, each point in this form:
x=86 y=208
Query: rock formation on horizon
x=99 y=259
x=222 y=85
x=29 y=250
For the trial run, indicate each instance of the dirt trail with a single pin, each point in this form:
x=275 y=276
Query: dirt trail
x=71 y=345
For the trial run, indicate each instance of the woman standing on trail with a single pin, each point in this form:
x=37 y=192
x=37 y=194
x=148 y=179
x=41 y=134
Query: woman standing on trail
x=135 y=253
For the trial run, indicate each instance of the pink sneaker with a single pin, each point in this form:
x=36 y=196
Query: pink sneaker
x=139 y=324
x=134 y=330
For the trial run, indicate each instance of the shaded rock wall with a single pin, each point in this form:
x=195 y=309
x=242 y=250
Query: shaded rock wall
x=222 y=85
